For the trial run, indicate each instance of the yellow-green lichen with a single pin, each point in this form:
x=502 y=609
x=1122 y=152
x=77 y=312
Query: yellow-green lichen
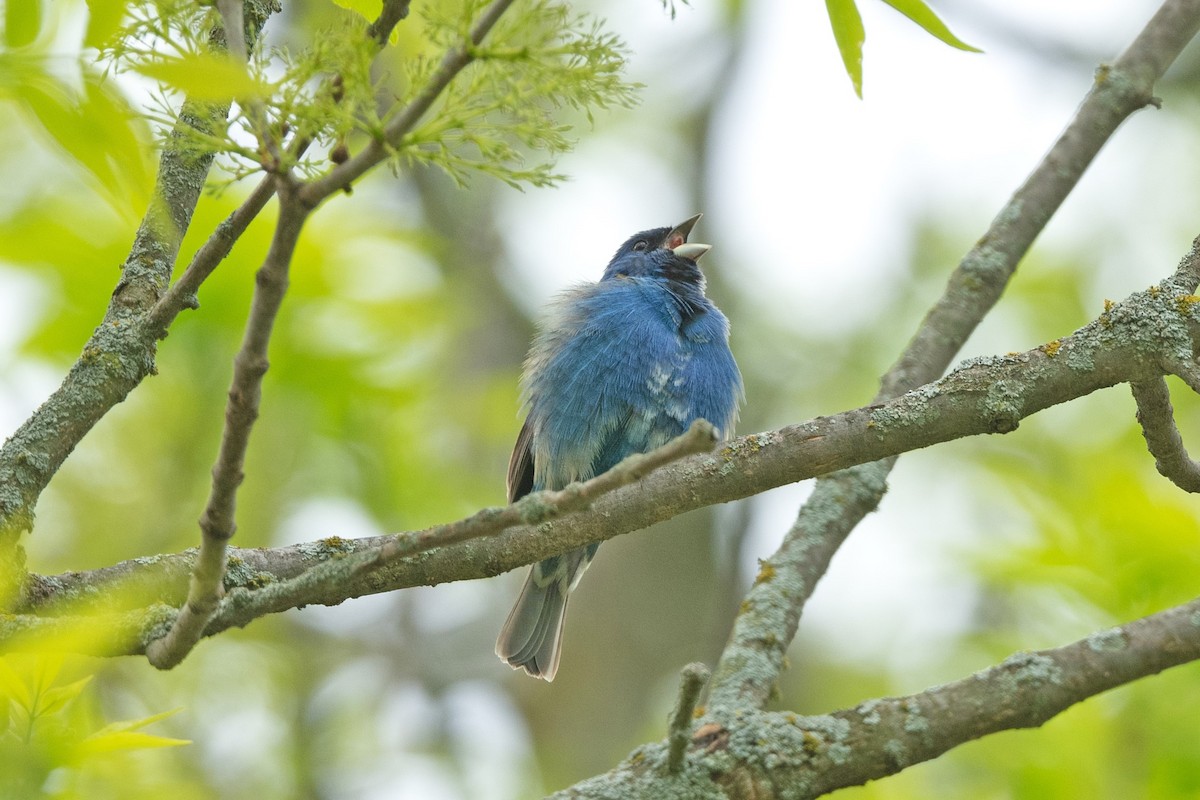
x=765 y=572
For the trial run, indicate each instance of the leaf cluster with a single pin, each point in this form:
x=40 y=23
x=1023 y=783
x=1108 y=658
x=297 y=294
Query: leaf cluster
x=336 y=93
x=67 y=103
x=48 y=728
x=540 y=60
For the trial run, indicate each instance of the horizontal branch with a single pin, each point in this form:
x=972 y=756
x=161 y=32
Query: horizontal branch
x=1129 y=342
x=273 y=593
x=779 y=754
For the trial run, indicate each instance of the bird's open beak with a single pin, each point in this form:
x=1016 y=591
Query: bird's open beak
x=678 y=244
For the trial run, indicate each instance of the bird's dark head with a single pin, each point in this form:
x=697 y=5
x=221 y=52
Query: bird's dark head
x=663 y=253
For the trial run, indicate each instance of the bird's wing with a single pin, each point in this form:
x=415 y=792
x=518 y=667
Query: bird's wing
x=520 y=465
x=711 y=375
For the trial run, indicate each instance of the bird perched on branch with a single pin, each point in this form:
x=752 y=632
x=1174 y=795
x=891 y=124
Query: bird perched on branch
x=618 y=367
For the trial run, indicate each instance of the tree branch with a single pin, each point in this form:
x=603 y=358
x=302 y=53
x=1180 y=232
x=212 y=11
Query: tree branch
x=217 y=523
x=1130 y=342
x=121 y=351
x=390 y=15
x=679 y=731
x=755 y=754
x=764 y=630
x=182 y=293
x=1157 y=418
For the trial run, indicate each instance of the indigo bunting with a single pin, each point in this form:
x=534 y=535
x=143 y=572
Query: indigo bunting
x=618 y=367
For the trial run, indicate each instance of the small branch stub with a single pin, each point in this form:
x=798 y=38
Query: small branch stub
x=679 y=727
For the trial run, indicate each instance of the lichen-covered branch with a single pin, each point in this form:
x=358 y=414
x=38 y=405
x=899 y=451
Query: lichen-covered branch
x=121 y=351
x=244 y=606
x=762 y=633
x=1132 y=341
x=756 y=754
x=339 y=564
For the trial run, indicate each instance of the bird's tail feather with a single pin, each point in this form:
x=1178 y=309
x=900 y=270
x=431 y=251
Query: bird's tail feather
x=531 y=638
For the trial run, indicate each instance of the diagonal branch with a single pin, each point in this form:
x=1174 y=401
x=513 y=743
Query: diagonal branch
x=217 y=522
x=121 y=351
x=533 y=509
x=331 y=575
x=182 y=293
x=1157 y=418
x=755 y=754
x=772 y=609
x=390 y=15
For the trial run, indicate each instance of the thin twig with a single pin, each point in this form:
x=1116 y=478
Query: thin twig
x=1157 y=418
x=269 y=150
x=453 y=62
x=390 y=15
x=217 y=523
x=679 y=727
x=182 y=293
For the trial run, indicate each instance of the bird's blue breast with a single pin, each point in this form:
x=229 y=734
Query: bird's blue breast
x=617 y=370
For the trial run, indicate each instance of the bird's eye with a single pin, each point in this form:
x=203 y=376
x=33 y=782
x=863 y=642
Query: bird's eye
x=641 y=245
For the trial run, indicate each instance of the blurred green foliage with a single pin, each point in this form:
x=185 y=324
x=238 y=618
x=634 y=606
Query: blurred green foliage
x=391 y=404
x=52 y=743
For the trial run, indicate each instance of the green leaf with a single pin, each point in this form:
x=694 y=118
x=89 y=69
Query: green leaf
x=13 y=686
x=206 y=76
x=98 y=129
x=369 y=9
x=104 y=19
x=135 y=724
x=124 y=735
x=923 y=15
x=114 y=741
x=56 y=699
x=849 y=33
x=22 y=21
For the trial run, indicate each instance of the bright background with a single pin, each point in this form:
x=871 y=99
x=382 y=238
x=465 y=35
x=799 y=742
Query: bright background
x=391 y=404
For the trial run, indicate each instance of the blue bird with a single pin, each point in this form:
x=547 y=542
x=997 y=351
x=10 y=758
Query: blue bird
x=618 y=367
